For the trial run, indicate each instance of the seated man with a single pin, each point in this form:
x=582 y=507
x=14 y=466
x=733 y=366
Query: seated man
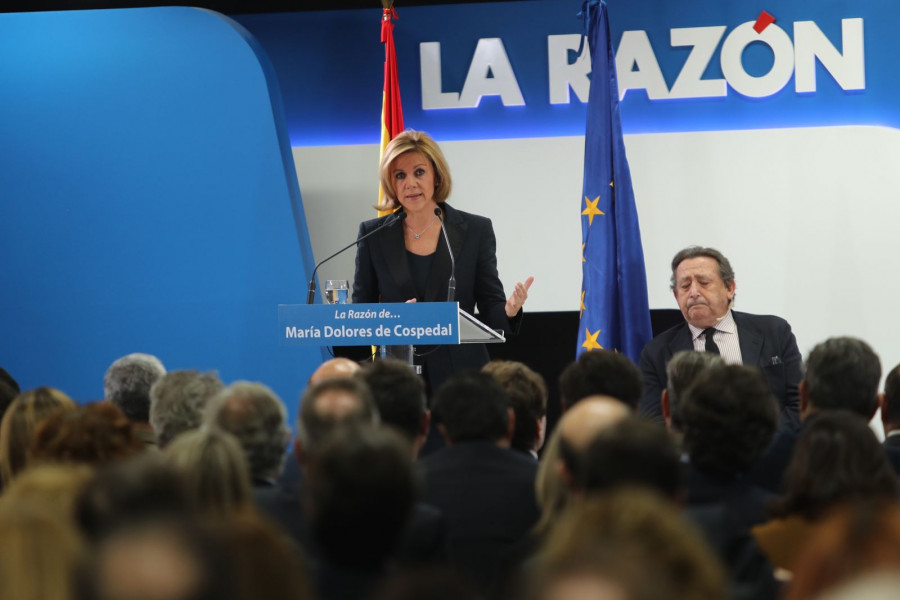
x=704 y=287
x=485 y=490
x=527 y=395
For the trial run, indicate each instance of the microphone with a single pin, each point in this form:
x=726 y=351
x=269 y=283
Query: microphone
x=451 y=285
x=392 y=220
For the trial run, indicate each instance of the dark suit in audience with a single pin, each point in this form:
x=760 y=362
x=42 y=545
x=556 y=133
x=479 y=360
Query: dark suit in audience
x=484 y=489
x=842 y=373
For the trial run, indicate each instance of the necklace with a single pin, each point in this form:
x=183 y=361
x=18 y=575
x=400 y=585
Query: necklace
x=419 y=235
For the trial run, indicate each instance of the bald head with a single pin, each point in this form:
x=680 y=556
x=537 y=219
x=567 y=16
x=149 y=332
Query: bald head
x=333 y=369
x=580 y=425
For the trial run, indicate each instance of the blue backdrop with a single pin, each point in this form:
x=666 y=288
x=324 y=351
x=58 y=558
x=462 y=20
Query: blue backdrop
x=149 y=200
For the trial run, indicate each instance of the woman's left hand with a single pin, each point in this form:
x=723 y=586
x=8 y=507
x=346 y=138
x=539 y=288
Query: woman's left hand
x=519 y=295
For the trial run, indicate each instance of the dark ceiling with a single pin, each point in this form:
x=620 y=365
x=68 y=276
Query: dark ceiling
x=222 y=6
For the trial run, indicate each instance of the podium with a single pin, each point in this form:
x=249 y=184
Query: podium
x=389 y=325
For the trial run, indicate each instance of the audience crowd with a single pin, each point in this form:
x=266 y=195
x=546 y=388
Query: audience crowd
x=177 y=486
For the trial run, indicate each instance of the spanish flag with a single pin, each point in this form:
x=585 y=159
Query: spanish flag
x=391 y=108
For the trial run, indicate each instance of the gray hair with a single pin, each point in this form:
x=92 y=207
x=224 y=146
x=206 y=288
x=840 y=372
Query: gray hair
x=177 y=402
x=316 y=423
x=684 y=367
x=256 y=416
x=725 y=270
x=128 y=381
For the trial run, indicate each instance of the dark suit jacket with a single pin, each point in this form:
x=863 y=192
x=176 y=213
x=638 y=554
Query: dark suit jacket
x=383 y=275
x=892 y=449
x=487 y=496
x=766 y=342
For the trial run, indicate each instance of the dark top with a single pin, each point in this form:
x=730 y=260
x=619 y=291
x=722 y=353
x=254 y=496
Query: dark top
x=383 y=274
x=767 y=343
x=420 y=269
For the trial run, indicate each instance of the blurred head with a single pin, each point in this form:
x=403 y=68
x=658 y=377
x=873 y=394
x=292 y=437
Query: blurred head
x=527 y=395
x=681 y=371
x=704 y=286
x=94 y=434
x=471 y=407
x=628 y=527
x=21 y=419
x=419 y=142
x=178 y=400
x=362 y=491
x=837 y=459
x=331 y=405
x=842 y=373
x=890 y=409
x=858 y=539
x=551 y=489
x=632 y=453
x=54 y=487
x=41 y=553
x=601 y=373
x=399 y=394
x=579 y=426
x=136 y=490
x=214 y=469
x=261 y=562
x=729 y=417
x=159 y=560
x=336 y=367
x=127 y=384
x=253 y=414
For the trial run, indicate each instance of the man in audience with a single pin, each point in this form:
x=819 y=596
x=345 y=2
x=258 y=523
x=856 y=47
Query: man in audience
x=178 y=400
x=527 y=395
x=681 y=372
x=399 y=395
x=334 y=368
x=842 y=373
x=704 y=287
x=577 y=429
x=601 y=373
x=890 y=417
x=485 y=490
x=253 y=414
x=127 y=385
x=729 y=416
x=362 y=493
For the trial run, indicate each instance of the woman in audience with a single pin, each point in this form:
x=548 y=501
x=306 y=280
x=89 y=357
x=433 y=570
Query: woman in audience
x=40 y=553
x=21 y=419
x=56 y=487
x=215 y=470
x=837 y=459
x=629 y=542
x=95 y=434
x=857 y=540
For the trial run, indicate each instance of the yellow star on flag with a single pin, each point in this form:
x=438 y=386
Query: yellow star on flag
x=582 y=303
x=583 y=259
x=590 y=340
x=591 y=211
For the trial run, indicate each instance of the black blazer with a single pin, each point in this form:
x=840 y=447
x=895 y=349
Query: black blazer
x=766 y=342
x=383 y=275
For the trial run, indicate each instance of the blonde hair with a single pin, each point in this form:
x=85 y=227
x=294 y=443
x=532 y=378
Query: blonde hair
x=41 y=551
x=643 y=528
x=214 y=468
x=413 y=141
x=550 y=490
x=21 y=419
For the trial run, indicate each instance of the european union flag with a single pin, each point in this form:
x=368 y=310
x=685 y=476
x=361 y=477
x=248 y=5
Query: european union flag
x=614 y=310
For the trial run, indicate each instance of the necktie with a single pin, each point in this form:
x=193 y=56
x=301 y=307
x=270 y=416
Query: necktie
x=710 y=342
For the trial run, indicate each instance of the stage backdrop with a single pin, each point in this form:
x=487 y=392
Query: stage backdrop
x=765 y=129
x=149 y=200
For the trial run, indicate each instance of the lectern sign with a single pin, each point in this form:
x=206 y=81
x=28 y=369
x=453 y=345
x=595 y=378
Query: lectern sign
x=368 y=324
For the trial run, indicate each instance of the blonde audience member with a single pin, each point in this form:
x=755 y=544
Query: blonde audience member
x=215 y=470
x=21 y=419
